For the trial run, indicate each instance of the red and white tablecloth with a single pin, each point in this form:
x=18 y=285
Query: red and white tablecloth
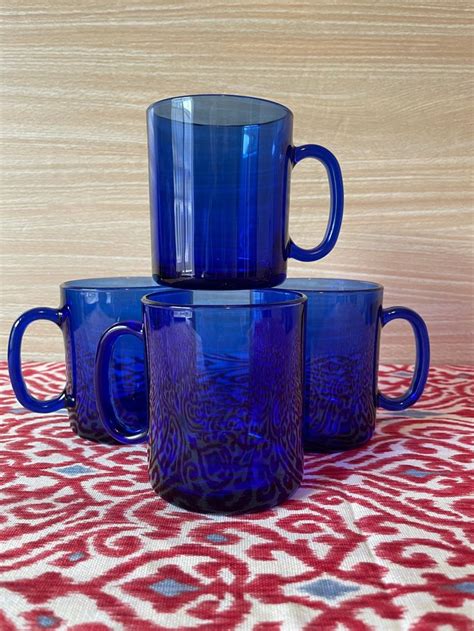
x=377 y=538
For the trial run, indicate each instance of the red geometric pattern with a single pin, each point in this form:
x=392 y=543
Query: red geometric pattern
x=380 y=537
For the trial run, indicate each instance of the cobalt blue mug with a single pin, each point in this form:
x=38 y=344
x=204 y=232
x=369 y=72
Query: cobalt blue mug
x=220 y=169
x=343 y=327
x=87 y=308
x=225 y=396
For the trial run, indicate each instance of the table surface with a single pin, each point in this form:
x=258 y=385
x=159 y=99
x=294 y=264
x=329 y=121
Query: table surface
x=385 y=85
x=376 y=538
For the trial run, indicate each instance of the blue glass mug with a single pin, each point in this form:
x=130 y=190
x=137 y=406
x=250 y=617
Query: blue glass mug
x=343 y=328
x=219 y=168
x=87 y=308
x=225 y=396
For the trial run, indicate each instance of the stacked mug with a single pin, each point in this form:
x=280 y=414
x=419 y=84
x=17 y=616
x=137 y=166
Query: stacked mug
x=227 y=378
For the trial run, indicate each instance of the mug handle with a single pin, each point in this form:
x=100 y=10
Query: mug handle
x=336 y=209
x=422 y=362
x=106 y=408
x=20 y=388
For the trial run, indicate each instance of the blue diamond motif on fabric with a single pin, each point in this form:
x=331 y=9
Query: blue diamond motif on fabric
x=45 y=621
x=328 y=588
x=74 y=469
x=76 y=556
x=216 y=538
x=170 y=587
x=421 y=414
x=467 y=587
x=417 y=473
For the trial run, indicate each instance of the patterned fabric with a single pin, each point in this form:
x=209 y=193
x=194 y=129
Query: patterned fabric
x=377 y=538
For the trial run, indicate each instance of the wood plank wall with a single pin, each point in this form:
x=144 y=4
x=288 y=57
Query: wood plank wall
x=385 y=85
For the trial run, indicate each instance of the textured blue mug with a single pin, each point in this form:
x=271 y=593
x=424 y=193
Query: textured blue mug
x=87 y=308
x=220 y=169
x=225 y=396
x=343 y=327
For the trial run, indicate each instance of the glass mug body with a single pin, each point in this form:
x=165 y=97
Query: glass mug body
x=225 y=388
x=220 y=169
x=87 y=308
x=343 y=331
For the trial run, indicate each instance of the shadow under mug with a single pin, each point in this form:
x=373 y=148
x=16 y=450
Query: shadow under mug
x=225 y=396
x=343 y=327
x=219 y=172
x=87 y=308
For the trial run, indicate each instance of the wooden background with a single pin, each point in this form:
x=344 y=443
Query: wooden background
x=385 y=85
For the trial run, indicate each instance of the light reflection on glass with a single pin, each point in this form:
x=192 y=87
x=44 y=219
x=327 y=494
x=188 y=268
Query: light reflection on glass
x=183 y=178
x=248 y=194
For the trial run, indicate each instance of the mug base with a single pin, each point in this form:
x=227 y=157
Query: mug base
x=95 y=436
x=186 y=282
x=333 y=445
x=225 y=504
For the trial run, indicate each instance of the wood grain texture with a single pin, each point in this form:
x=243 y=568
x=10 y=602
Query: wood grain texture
x=386 y=86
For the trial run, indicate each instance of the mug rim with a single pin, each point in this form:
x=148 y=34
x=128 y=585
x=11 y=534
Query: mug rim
x=107 y=283
x=360 y=286
x=299 y=298
x=287 y=112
